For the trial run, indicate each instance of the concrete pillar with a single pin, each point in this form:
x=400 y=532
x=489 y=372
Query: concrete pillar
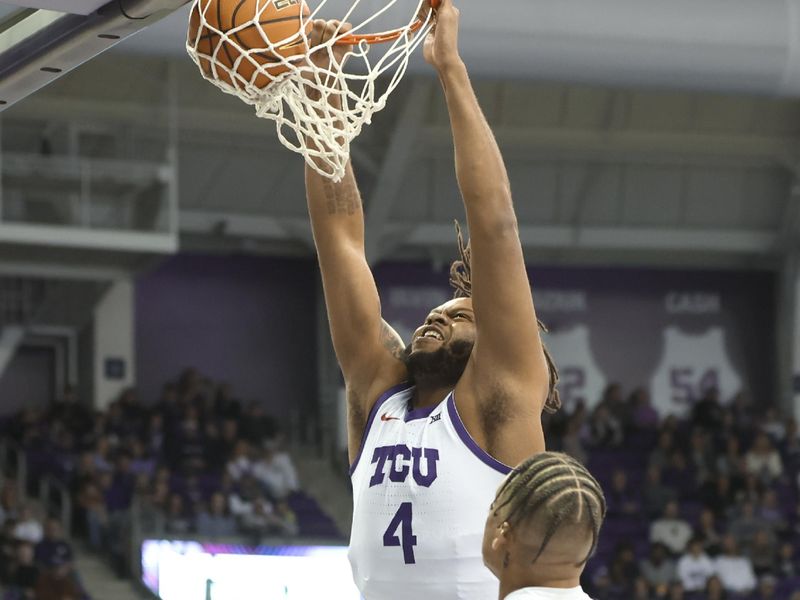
x=114 y=344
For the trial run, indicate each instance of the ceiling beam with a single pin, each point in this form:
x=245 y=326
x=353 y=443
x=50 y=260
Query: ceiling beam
x=433 y=235
x=617 y=238
x=83 y=237
x=393 y=171
x=627 y=146
x=54 y=270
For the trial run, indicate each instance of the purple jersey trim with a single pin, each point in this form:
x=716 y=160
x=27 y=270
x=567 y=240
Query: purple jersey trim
x=420 y=413
x=372 y=414
x=470 y=443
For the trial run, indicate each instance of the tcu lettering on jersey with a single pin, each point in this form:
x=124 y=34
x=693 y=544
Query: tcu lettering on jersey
x=403 y=460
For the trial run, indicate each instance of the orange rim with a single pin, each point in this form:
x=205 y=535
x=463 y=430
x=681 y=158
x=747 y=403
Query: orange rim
x=383 y=37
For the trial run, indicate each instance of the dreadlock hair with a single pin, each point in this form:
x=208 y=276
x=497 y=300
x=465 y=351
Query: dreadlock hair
x=554 y=489
x=461 y=281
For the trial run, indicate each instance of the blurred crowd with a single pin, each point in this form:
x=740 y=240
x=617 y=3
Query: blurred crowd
x=36 y=562
x=700 y=507
x=197 y=462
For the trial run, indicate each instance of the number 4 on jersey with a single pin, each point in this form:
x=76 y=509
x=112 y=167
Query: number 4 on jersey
x=402 y=521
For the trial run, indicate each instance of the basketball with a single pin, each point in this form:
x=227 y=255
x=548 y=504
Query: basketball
x=259 y=20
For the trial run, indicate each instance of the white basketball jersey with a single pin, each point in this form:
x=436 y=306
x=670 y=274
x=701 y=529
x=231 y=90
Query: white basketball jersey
x=537 y=593
x=422 y=489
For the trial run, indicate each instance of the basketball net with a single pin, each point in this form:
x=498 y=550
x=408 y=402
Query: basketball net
x=317 y=111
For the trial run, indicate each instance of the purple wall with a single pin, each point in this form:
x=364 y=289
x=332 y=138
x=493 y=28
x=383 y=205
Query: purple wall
x=246 y=320
x=626 y=313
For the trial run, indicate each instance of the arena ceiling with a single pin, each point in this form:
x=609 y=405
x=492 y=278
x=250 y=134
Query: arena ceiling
x=602 y=174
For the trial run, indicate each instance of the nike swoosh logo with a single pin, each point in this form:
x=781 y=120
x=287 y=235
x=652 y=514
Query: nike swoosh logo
x=388 y=418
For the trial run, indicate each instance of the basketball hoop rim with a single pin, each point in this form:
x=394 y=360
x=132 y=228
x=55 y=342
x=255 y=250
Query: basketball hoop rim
x=382 y=37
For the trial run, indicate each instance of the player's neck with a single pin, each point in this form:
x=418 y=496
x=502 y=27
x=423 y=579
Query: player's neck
x=429 y=395
x=510 y=584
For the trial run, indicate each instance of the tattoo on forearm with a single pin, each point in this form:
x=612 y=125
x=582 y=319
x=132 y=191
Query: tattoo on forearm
x=391 y=341
x=341 y=199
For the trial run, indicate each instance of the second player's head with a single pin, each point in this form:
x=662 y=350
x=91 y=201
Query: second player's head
x=545 y=522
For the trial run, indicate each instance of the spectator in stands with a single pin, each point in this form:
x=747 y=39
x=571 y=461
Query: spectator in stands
x=658 y=569
x=708 y=413
x=9 y=505
x=773 y=425
x=695 y=567
x=614 y=400
x=119 y=495
x=53 y=550
x=256 y=426
x=715 y=590
x=641 y=591
x=620 y=500
x=719 y=496
x=217 y=520
x=746 y=525
x=671 y=530
x=22 y=573
x=92 y=502
x=624 y=571
x=701 y=458
x=605 y=430
x=643 y=415
x=767 y=586
x=275 y=471
x=261 y=520
x=664 y=449
x=734 y=570
x=142 y=463
x=763 y=552
x=763 y=460
x=787 y=566
x=243 y=499
x=28 y=528
x=240 y=462
x=102 y=454
x=771 y=513
x=676 y=591
x=751 y=490
x=730 y=462
x=177 y=521
x=155 y=435
x=708 y=532
x=190 y=452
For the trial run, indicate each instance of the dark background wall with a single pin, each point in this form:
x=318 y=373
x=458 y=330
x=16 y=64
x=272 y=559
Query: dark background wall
x=28 y=381
x=249 y=321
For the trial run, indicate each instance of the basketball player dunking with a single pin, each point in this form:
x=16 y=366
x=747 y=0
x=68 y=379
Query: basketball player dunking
x=434 y=425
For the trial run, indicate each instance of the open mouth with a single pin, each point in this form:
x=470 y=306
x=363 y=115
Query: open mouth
x=432 y=334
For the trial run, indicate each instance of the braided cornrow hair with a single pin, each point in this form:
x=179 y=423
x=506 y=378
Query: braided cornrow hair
x=461 y=281
x=555 y=489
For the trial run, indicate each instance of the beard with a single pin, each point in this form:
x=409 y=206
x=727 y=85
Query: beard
x=440 y=368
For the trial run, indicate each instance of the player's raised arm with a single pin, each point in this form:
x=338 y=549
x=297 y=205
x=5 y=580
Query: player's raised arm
x=508 y=351
x=368 y=349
